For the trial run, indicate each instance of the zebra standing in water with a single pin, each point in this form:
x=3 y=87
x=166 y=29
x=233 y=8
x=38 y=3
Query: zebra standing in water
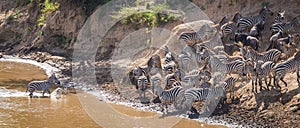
x=246 y=22
x=42 y=85
x=287 y=66
x=277 y=27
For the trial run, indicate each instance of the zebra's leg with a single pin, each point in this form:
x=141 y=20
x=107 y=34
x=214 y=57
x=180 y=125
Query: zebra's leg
x=253 y=87
x=267 y=83
x=297 y=71
x=260 y=85
x=49 y=91
x=276 y=82
x=31 y=94
x=43 y=92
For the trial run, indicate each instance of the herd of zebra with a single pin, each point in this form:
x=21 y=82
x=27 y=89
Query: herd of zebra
x=208 y=68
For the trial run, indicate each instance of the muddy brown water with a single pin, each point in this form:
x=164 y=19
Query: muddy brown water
x=72 y=110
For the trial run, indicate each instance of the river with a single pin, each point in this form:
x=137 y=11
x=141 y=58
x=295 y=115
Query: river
x=71 y=110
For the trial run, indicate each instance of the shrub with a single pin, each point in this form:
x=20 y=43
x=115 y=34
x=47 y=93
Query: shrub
x=47 y=8
x=150 y=17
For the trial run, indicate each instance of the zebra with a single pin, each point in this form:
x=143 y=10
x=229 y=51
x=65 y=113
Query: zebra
x=285 y=26
x=155 y=81
x=218 y=25
x=280 y=17
x=170 y=67
x=139 y=71
x=184 y=59
x=190 y=38
x=170 y=79
x=230 y=26
x=270 y=55
x=169 y=96
x=246 y=22
x=199 y=94
x=251 y=73
x=42 y=85
x=256 y=30
x=287 y=66
x=142 y=85
x=228 y=85
x=228 y=68
x=169 y=56
x=264 y=70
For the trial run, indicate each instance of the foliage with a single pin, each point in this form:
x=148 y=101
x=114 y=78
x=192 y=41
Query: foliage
x=265 y=4
x=154 y=15
x=47 y=8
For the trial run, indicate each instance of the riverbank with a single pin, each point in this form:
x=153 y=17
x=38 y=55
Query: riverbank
x=232 y=114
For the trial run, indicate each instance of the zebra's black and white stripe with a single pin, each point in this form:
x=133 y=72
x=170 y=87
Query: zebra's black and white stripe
x=42 y=85
x=287 y=66
x=155 y=81
x=230 y=27
x=228 y=68
x=246 y=22
x=285 y=26
x=199 y=94
x=139 y=71
x=142 y=85
x=264 y=70
x=228 y=85
x=271 y=55
x=190 y=38
x=172 y=95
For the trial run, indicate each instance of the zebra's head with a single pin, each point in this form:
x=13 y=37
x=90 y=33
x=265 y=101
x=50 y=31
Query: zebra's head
x=142 y=82
x=54 y=80
x=280 y=17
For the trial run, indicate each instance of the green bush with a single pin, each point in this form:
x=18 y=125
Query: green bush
x=46 y=8
x=152 y=16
